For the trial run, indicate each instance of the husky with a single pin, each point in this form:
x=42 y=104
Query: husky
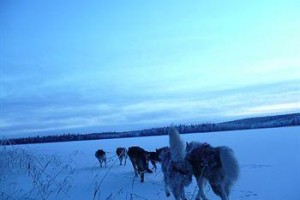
x=217 y=165
x=176 y=169
x=139 y=159
x=122 y=154
x=101 y=156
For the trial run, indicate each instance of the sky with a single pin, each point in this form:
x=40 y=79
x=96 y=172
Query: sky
x=93 y=66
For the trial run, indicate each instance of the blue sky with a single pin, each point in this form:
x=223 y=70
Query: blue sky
x=84 y=66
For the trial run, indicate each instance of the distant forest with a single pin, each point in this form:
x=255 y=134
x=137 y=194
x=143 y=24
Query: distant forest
x=249 y=123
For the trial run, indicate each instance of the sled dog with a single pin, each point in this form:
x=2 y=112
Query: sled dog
x=139 y=159
x=101 y=156
x=122 y=154
x=176 y=169
x=217 y=165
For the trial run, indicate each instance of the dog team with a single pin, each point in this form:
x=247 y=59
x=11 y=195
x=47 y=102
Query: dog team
x=180 y=162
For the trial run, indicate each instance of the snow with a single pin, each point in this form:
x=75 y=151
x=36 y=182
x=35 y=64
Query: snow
x=269 y=161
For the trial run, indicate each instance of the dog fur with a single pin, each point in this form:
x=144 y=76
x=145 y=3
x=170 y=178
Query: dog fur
x=176 y=169
x=122 y=154
x=217 y=165
x=153 y=158
x=101 y=156
x=139 y=159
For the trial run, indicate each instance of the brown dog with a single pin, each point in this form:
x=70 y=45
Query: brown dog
x=139 y=159
x=101 y=156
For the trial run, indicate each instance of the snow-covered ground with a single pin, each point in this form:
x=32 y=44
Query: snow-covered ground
x=269 y=161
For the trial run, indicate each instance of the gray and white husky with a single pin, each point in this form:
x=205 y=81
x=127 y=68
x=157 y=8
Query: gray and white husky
x=217 y=165
x=176 y=169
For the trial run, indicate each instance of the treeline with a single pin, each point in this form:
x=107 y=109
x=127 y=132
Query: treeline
x=250 y=123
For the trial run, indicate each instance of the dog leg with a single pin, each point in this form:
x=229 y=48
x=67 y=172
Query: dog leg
x=167 y=191
x=224 y=196
x=154 y=165
x=201 y=195
x=219 y=190
x=142 y=177
x=135 y=170
x=176 y=190
x=227 y=186
x=166 y=186
x=183 y=194
x=146 y=167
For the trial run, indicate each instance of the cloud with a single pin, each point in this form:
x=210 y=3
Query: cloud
x=59 y=111
x=280 y=108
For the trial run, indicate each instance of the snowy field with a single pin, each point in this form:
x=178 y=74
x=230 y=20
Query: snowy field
x=269 y=161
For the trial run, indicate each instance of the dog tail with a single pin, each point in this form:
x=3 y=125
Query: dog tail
x=177 y=146
x=229 y=163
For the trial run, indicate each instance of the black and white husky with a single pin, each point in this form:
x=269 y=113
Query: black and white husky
x=101 y=156
x=122 y=154
x=217 y=165
x=176 y=169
